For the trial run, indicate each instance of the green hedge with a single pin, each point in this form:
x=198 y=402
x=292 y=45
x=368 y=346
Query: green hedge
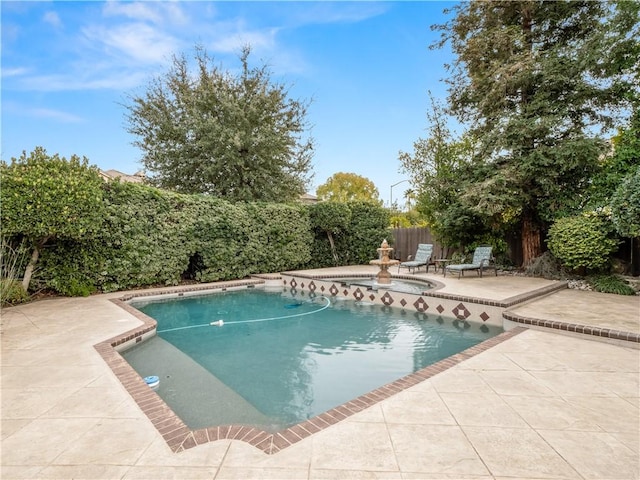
x=151 y=237
x=355 y=240
x=155 y=237
x=625 y=205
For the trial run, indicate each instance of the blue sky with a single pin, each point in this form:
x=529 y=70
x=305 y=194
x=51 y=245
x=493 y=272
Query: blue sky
x=67 y=67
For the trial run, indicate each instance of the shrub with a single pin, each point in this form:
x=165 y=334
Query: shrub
x=611 y=284
x=369 y=226
x=545 y=266
x=64 y=270
x=12 y=292
x=13 y=259
x=348 y=233
x=581 y=242
x=400 y=221
x=625 y=205
x=46 y=198
x=458 y=258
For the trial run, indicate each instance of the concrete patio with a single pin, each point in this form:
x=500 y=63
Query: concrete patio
x=539 y=405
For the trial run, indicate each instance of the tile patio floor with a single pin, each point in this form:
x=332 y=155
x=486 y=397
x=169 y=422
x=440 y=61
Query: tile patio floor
x=540 y=405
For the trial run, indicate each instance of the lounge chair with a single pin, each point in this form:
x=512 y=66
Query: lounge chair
x=422 y=258
x=482 y=259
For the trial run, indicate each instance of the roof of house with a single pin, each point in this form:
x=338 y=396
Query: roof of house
x=308 y=198
x=137 y=177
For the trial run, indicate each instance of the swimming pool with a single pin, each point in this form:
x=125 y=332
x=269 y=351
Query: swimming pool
x=280 y=359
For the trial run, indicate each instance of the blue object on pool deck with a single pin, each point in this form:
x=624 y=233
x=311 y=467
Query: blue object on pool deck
x=152 y=381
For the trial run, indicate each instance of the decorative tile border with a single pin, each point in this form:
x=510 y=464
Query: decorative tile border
x=180 y=437
x=429 y=302
x=463 y=307
x=433 y=292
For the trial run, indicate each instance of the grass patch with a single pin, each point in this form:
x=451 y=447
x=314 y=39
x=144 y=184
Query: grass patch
x=13 y=258
x=611 y=284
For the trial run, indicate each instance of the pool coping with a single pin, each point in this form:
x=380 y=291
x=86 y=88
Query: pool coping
x=595 y=331
x=180 y=437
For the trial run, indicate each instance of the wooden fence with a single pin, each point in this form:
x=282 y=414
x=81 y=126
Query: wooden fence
x=406 y=240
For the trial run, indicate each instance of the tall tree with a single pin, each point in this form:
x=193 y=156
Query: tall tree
x=537 y=81
x=348 y=187
x=440 y=167
x=238 y=137
x=410 y=196
x=47 y=198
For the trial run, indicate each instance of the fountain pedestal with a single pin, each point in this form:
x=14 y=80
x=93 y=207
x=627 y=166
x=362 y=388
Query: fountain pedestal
x=384 y=262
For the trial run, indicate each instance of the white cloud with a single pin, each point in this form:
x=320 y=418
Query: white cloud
x=226 y=41
x=351 y=12
x=137 y=41
x=130 y=41
x=94 y=80
x=52 y=114
x=52 y=19
x=174 y=13
x=298 y=14
x=138 y=10
x=14 y=72
x=155 y=12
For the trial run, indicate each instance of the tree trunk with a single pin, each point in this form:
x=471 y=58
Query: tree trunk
x=333 y=248
x=28 y=272
x=531 y=244
x=634 y=258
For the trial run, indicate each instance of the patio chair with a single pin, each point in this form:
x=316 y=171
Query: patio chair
x=422 y=258
x=482 y=259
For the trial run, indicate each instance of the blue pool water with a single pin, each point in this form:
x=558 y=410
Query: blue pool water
x=279 y=360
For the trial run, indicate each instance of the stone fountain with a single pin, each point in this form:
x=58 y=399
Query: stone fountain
x=384 y=262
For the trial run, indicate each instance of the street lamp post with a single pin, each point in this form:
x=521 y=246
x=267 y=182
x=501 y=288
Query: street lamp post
x=391 y=192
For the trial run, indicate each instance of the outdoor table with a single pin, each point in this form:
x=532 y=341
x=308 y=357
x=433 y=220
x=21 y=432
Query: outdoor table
x=441 y=263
